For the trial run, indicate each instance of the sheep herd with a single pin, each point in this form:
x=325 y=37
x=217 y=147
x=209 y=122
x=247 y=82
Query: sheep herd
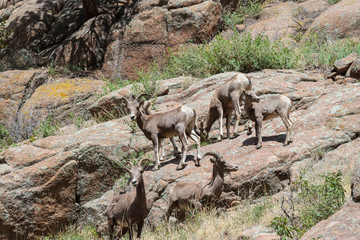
x=127 y=209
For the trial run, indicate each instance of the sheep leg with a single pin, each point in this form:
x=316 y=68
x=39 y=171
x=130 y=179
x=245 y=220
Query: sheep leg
x=140 y=226
x=130 y=230
x=111 y=225
x=228 y=120
x=235 y=98
x=161 y=149
x=249 y=126
x=221 y=115
x=184 y=142
x=169 y=211
x=121 y=233
x=196 y=138
x=258 y=126
x=288 y=128
x=155 y=141
x=176 y=150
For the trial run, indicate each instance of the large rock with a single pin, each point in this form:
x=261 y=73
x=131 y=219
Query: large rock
x=84 y=48
x=354 y=70
x=158 y=26
x=16 y=87
x=339 y=21
x=60 y=98
x=342 y=65
x=276 y=21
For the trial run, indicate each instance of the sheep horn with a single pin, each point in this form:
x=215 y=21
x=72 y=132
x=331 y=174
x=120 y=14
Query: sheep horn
x=124 y=99
x=217 y=155
x=142 y=95
x=141 y=161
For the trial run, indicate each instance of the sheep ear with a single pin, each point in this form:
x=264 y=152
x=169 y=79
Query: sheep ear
x=212 y=160
x=146 y=163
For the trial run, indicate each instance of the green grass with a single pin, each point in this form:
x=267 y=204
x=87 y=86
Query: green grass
x=47 y=127
x=249 y=9
x=318 y=51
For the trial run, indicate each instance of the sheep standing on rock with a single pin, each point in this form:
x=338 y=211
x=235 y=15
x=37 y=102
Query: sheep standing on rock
x=266 y=109
x=189 y=194
x=224 y=100
x=158 y=126
x=130 y=208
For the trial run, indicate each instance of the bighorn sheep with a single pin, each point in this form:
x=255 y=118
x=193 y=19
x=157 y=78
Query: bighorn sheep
x=158 y=126
x=224 y=100
x=266 y=109
x=189 y=194
x=130 y=208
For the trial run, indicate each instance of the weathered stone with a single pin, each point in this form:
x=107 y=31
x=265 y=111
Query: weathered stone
x=342 y=65
x=194 y=23
x=354 y=70
x=147 y=27
x=182 y=3
x=339 y=21
x=16 y=87
x=276 y=21
x=30 y=21
x=84 y=48
x=64 y=96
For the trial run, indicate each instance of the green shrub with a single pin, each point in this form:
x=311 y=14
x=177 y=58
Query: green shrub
x=4 y=35
x=241 y=53
x=315 y=202
x=316 y=50
x=320 y=201
x=5 y=138
x=48 y=127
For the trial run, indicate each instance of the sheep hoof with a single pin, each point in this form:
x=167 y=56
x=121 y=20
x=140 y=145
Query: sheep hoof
x=197 y=162
x=180 y=166
x=258 y=146
x=155 y=168
x=249 y=132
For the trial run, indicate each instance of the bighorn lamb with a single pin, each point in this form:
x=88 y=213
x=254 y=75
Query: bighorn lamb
x=147 y=111
x=130 y=208
x=224 y=100
x=158 y=126
x=189 y=194
x=266 y=109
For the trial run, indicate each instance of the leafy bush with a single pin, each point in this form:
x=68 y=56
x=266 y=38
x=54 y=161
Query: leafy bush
x=316 y=50
x=5 y=138
x=4 y=35
x=47 y=127
x=241 y=53
x=315 y=203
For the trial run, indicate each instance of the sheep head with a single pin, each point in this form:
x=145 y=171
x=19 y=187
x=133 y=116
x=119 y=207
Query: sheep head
x=251 y=96
x=135 y=104
x=220 y=163
x=136 y=172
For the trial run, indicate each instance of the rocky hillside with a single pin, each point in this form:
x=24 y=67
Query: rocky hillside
x=60 y=179
x=70 y=137
x=123 y=36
